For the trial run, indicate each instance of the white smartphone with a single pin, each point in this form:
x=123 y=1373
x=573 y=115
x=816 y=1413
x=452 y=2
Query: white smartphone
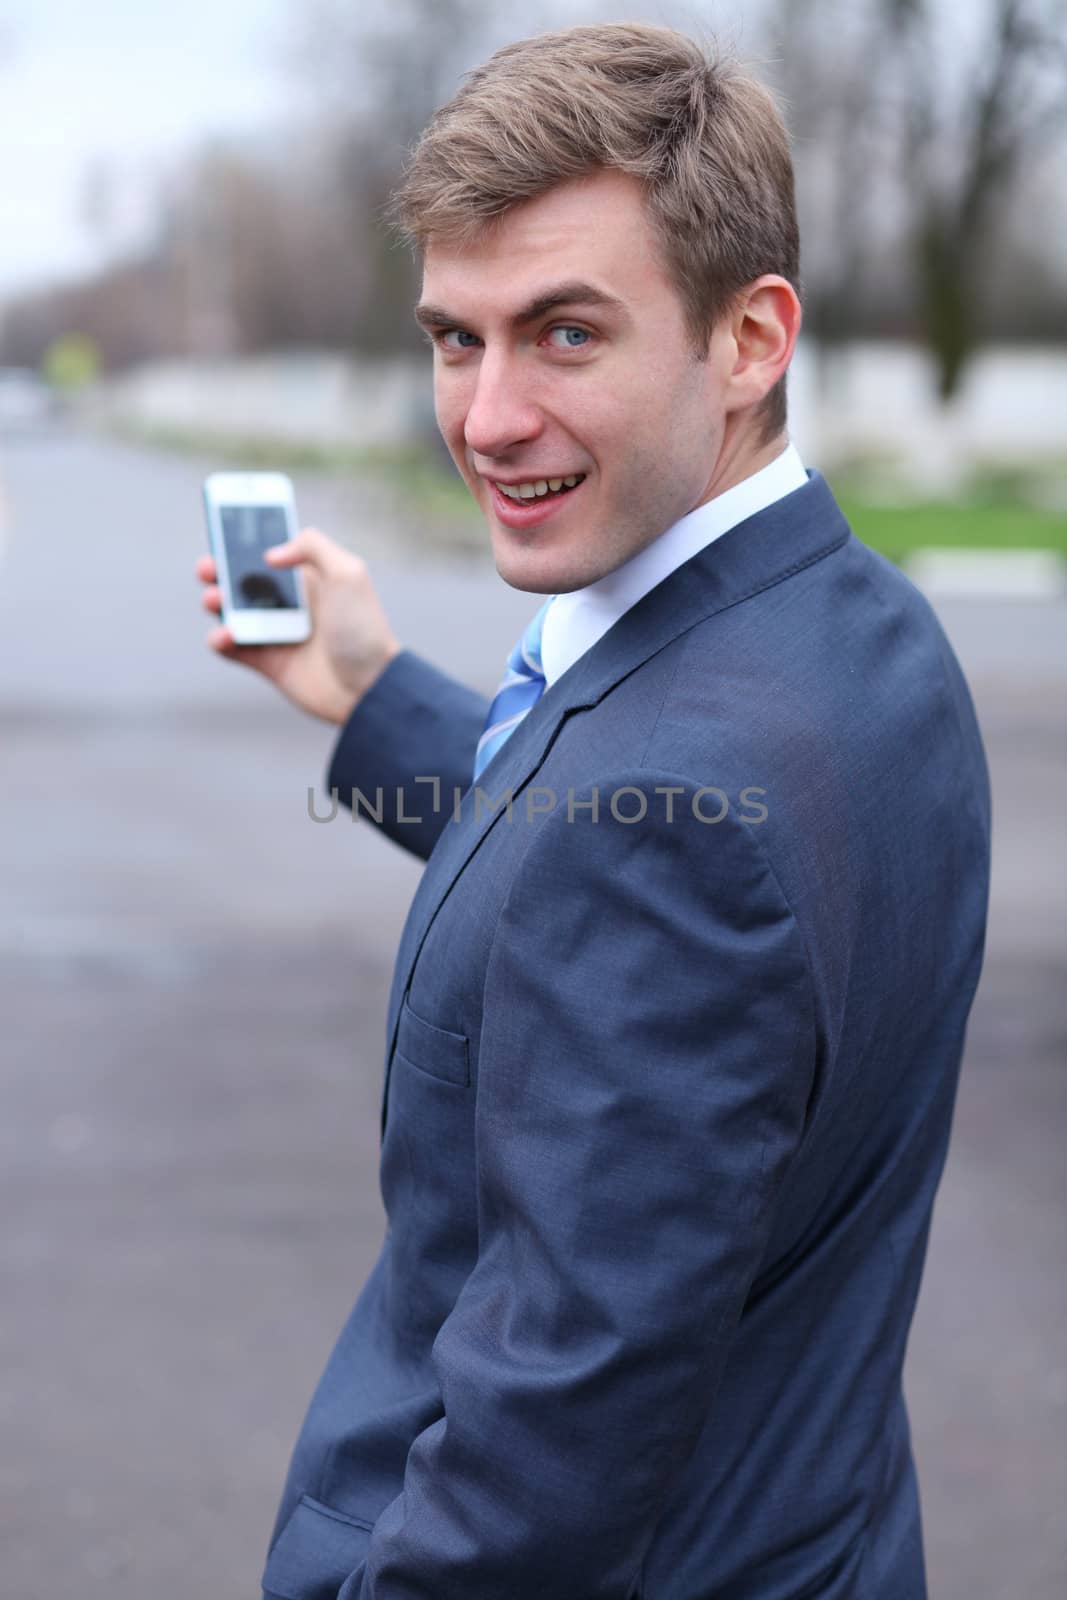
x=246 y=513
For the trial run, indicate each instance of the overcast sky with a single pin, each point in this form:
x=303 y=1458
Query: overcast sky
x=126 y=83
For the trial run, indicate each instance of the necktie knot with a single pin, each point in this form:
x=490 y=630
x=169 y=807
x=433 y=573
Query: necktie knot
x=519 y=691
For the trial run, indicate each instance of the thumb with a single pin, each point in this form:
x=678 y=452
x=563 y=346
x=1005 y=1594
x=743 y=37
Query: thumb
x=312 y=547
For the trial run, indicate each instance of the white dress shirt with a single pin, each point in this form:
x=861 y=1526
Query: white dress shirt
x=574 y=622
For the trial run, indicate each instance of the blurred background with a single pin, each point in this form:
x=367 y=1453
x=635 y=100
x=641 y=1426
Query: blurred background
x=193 y=973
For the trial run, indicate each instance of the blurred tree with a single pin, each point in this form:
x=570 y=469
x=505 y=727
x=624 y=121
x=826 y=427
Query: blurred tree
x=259 y=250
x=913 y=118
x=379 y=71
x=381 y=67
x=127 y=311
x=1014 y=105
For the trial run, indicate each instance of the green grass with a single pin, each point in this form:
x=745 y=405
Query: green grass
x=896 y=531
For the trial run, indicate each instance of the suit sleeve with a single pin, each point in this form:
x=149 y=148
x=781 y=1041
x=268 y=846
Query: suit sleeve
x=406 y=748
x=645 y=1065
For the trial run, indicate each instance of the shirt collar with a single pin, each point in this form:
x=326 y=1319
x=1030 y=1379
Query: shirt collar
x=574 y=622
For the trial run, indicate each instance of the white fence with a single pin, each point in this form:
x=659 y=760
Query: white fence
x=307 y=398
x=874 y=402
x=879 y=401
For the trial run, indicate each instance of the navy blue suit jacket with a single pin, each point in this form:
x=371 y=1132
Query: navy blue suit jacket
x=671 y=1056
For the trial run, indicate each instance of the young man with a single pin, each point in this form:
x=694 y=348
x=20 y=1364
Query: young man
x=677 y=1016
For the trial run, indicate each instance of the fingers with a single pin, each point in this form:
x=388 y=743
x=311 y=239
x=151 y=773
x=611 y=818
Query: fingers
x=320 y=553
x=205 y=569
x=222 y=642
x=211 y=600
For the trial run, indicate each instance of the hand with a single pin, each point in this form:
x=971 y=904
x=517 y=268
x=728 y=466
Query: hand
x=351 y=641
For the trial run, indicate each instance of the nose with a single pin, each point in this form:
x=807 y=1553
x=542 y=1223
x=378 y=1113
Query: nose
x=501 y=413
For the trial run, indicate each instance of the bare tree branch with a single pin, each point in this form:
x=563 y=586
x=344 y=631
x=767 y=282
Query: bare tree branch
x=959 y=133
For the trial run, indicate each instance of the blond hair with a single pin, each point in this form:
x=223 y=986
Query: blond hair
x=706 y=139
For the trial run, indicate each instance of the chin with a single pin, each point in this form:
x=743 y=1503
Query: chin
x=525 y=576
x=533 y=571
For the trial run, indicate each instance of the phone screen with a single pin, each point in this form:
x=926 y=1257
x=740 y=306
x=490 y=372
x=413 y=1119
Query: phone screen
x=247 y=531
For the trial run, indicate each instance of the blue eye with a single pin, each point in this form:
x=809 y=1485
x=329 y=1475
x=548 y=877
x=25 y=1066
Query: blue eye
x=461 y=334
x=574 y=338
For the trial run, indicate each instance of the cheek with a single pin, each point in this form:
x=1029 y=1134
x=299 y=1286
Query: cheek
x=601 y=420
x=681 y=424
x=636 y=412
x=629 y=427
x=661 y=440
x=450 y=408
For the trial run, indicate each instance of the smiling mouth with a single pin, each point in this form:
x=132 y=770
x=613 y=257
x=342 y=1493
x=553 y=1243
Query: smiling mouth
x=538 y=488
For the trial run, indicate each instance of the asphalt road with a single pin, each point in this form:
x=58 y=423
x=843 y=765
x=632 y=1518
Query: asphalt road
x=192 y=983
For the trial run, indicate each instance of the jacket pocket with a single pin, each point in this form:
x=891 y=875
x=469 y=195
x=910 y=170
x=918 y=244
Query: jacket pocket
x=433 y=1050
x=315 y=1552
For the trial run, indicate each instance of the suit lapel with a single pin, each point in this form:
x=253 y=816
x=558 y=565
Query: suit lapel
x=758 y=553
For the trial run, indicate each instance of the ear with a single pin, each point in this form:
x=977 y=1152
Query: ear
x=764 y=325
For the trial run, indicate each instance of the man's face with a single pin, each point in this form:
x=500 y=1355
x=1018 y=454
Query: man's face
x=597 y=381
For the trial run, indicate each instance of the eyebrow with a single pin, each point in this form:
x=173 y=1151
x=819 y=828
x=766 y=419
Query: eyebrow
x=563 y=294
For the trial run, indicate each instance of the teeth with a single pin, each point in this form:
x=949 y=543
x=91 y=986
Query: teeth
x=541 y=486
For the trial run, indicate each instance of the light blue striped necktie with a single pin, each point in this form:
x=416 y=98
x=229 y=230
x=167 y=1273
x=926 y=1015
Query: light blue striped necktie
x=520 y=689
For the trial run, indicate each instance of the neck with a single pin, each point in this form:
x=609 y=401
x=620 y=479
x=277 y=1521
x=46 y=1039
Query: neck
x=742 y=454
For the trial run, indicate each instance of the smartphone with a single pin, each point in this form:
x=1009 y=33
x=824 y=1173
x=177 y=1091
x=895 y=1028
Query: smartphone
x=247 y=512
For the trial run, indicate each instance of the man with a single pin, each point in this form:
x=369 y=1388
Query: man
x=677 y=1016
